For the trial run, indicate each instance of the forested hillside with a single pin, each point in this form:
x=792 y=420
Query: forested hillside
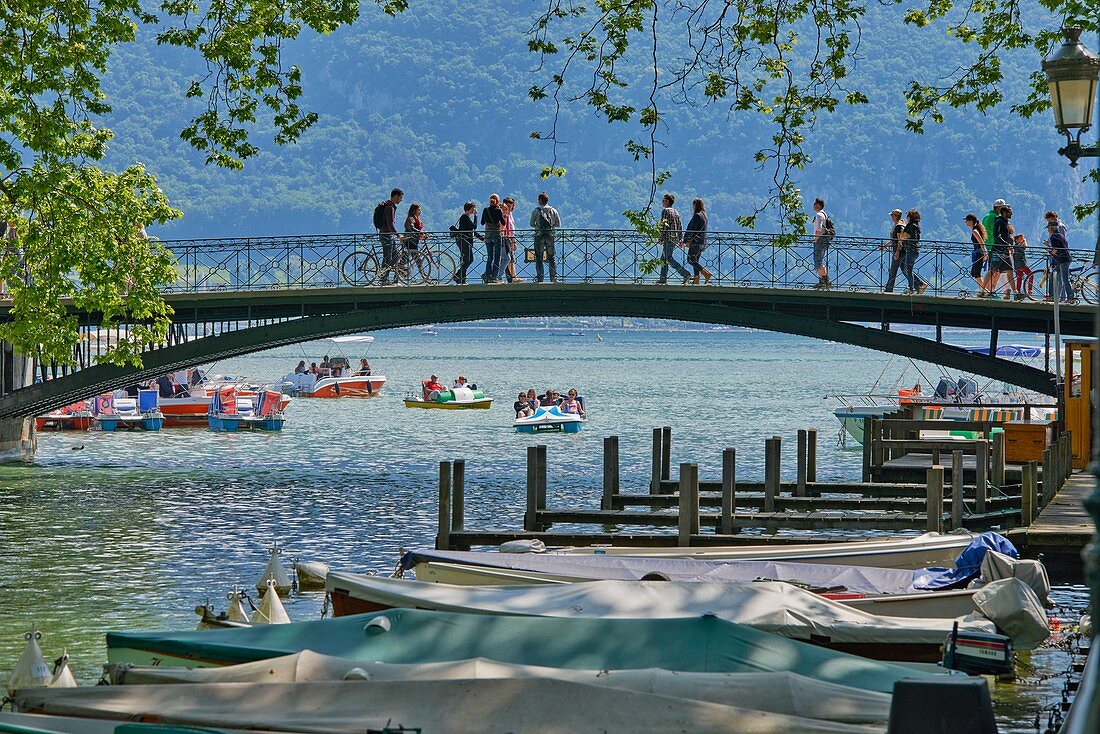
x=435 y=101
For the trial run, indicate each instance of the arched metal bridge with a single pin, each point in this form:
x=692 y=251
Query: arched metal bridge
x=240 y=296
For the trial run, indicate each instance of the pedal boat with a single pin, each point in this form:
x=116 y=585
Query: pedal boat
x=550 y=418
x=457 y=398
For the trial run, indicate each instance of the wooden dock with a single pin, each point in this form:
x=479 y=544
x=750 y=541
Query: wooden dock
x=756 y=512
x=1064 y=524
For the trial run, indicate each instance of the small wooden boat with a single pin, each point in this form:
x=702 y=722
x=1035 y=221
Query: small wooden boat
x=457 y=398
x=692 y=644
x=768 y=606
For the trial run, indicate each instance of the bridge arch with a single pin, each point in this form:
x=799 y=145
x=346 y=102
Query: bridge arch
x=820 y=316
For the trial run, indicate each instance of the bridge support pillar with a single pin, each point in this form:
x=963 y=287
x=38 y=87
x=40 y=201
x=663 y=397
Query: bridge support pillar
x=17 y=438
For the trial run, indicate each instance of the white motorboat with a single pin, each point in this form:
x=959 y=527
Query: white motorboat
x=339 y=379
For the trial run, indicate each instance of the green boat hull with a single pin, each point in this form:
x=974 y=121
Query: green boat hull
x=700 y=644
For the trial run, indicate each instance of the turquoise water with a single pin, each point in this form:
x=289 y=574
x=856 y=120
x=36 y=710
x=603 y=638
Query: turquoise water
x=124 y=531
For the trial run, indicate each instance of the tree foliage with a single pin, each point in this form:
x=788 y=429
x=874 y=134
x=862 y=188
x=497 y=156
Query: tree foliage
x=76 y=224
x=788 y=60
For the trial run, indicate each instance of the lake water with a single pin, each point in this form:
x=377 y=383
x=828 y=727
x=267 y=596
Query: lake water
x=131 y=531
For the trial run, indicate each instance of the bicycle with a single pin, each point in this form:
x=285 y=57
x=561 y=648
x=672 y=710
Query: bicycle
x=1082 y=283
x=432 y=265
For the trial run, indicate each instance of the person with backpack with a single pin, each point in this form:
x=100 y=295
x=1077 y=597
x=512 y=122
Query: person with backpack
x=464 y=234
x=670 y=236
x=385 y=221
x=1000 y=255
x=910 y=249
x=492 y=219
x=824 y=232
x=545 y=221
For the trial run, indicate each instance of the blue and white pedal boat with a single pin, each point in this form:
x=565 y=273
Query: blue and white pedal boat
x=550 y=419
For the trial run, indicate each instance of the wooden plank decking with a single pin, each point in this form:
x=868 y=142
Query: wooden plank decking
x=1064 y=524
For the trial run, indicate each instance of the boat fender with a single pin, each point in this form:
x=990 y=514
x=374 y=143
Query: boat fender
x=357 y=674
x=271 y=609
x=377 y=626
x=31 y=670
x=526 y=545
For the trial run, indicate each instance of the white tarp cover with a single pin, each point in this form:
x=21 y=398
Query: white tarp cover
x=781 y=693
x=496 y=706
x=863 y=579
x=767 y=605
x=353 y=339
x=1016 y=611
x=996 y=566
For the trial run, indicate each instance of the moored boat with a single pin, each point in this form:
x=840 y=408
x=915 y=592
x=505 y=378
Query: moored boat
x=74 y=417
x=230 y=413
x=768 y=606
x=128 y=414
x=699 y=644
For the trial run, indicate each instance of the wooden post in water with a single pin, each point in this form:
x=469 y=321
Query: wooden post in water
x=1027 y=493
x=934 y=502
x=610 y=471
x=811 y=455
x=540 y=475
x=443 y=531
x=530 y=521
x=684 y=518
x=957 y=504
x=458 y=492
x=666 y=452
x=655 y=464
x=694 y=498
x=867 y=450
x=998 y=456
x=729 y=489
x=981 y=476
x=772 y=453
x=800 y=481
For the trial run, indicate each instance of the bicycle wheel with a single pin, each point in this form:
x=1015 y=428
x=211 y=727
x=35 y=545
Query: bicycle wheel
x=359 y=268
x=1038 y=285
x=1088 y=287
x=443 y=268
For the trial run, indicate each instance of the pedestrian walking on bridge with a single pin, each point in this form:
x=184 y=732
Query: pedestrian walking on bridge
x=670 y=236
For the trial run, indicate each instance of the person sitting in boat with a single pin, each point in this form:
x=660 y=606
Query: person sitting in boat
x=432 y=388
x=522 y=407
x=301 y=368
x=533 y=399
x=165 y=388
x=548 y=398
x=326 y=367
x=572 y=404
x=364 y=368
x=460 y=381
x=314 y=369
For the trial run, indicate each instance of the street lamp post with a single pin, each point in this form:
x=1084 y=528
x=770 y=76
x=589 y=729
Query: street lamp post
x=1072 y=72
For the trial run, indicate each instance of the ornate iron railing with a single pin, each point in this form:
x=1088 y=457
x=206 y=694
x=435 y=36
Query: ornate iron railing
x=582 y=255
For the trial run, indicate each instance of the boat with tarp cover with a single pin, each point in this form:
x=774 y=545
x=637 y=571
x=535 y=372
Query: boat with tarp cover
x=698 y=644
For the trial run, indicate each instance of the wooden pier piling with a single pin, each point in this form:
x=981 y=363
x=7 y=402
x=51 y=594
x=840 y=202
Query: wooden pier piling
x=729 y=490
x=934 y=504
x=868 y=429
x=610 y=471
x=811 y=455
x=997 y=472
x=458 y=491
x=981 y=477
x=1048 y=477
x=958 y=506
x=772 y=455
x=443 y=530
x=688 y=517
x=1028 y=499
x=655 y=463
x=666 y=452
x=536 y=487
x=800 y=480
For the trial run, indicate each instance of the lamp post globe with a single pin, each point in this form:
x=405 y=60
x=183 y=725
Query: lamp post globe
x=1072 y=72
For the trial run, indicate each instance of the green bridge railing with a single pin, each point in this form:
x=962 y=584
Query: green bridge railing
x=588 y=256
